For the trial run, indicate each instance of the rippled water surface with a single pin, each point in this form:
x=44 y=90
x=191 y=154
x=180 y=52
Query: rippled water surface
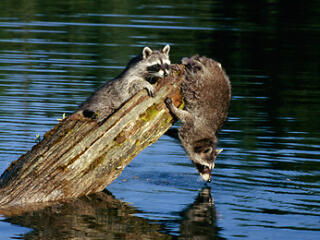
x=266 y=183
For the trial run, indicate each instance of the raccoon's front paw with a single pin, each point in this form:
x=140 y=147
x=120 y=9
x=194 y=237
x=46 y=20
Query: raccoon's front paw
x=150 y=90
x=168 y=102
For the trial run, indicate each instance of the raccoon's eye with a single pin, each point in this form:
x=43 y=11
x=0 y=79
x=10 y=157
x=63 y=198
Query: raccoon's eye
x=166 y=66
x=189 y=66
x=197 y=67
x=207 y=150
x=154 y=68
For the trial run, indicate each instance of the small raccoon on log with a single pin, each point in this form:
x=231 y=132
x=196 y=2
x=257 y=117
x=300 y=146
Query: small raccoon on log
x=140 y=73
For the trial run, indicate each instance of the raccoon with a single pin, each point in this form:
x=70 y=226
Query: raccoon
x=140 y=73
x=206 y=90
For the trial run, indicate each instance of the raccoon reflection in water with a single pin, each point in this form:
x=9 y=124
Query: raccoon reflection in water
x=139 y=74
x=206 y=90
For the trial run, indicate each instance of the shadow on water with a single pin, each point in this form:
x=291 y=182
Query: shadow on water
x=102 y=216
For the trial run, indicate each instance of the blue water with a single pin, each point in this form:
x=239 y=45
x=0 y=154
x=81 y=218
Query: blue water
x=266 y=183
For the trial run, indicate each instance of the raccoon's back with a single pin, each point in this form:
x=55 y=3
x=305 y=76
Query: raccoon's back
x=106 y=99
x=207 y=93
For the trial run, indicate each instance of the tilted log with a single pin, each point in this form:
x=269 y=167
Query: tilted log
x=80 y=156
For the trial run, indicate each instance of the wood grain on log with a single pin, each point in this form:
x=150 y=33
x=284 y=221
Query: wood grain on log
x=80 y=156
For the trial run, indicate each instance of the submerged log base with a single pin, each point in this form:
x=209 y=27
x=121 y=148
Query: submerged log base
x=80 y=156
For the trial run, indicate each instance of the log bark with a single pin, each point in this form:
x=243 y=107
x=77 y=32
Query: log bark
x=80 y=156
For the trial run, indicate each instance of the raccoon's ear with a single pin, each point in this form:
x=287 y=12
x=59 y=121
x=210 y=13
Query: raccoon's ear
x=146 y=52
x=185 y=60
x=166 y=49
x=218 y=151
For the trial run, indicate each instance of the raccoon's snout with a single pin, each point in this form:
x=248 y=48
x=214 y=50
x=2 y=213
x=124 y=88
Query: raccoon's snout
x=166 y=72
x=205 y=172
x=166 y=69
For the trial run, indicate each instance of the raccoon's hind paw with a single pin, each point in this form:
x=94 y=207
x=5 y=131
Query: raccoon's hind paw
x=89 y=114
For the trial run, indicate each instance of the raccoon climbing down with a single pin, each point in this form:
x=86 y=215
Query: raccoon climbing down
x=206 y=90
x=140 y=73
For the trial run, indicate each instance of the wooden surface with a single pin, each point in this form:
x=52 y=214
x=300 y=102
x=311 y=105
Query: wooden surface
x=80 y=156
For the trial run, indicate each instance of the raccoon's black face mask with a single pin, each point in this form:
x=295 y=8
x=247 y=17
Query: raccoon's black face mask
x=205 y=153
x=157 y=63
x=158 y=70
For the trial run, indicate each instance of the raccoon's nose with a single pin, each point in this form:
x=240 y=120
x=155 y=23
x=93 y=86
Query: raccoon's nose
x=166 y=72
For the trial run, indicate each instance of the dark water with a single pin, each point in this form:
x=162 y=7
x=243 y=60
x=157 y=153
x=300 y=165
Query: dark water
x=266 y=183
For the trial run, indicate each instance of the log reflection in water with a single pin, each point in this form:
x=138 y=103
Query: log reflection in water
x=97 y=216
x=101 y=216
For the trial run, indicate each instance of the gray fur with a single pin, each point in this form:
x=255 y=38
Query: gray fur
x=206 y=90
x=135 y=77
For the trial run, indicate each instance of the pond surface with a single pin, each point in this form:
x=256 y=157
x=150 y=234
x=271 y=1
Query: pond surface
x=266 y=183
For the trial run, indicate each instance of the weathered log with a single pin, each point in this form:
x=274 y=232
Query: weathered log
x=80 y=156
